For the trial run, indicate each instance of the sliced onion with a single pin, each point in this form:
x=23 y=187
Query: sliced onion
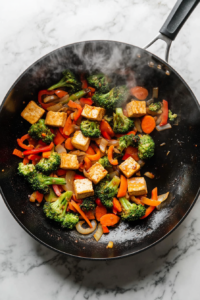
x=161 y=128
x=77 y=102
x=98 y=234
x=127 y=196
x=75 y=127
x=113 y=174
x=85 y=173
x=149 y=175
x=162 y=198
x=50 y=98
x=77 y=152
x=138 y=125
x=115 y=150
x=103 y=145
x=81 y=158
x=155 y=92
x=88 y=230
x=60 y=149
x=63 y=99
x=110 y=245
x=159 y=120
x=55 y=107
x=32 y=197
x=150 y=101
x=141 y=163
x=78 y=122
x=113 y=142
x=69 y=178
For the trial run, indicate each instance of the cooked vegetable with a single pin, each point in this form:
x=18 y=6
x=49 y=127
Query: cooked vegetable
x=123 y=187
x=90 y=129
x=133 y=152
x=117 y=205
x=100 y=211
x=109 y=119
x=150 y=201
x=88 y=204
x=68 y=144
x=110 y=245
x=49 y=165
x=38 y=150
x=149 y=175
x=105 y=162
x=148 y=124
x=82 y=230
x=105 y=190
x=162 y=198
x=68 y=80
x=155 y=106
x=164 y=127
x=51 y=195
x=122 y=124
x=148 y=212
x=39 y=131
x=131 y=211
x=171 y=116
x=164 y=116
x=77 y=107
x=106 y=128
x=79 y=210
x=25 y=170
x=128 y=140
x=98 y=234
x=139 y=92
x=18 y=153
x=109 y=220
x=110 y=156
x=146 y=147
x=100 y=81
x=70 y=220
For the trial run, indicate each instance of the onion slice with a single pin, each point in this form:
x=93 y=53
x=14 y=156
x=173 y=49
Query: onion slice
x=50 y=98
x=138 y=125
x=113 y=174
x=150 y=101
x=162 y=198
x=88 y=230
x=113 y=142
x=110 y=245
x=98 y=234
x=149 y=175
x=55 y=107
x=77 y=152
x=164 y=127
x=103 y=145
x=60 y=149
x=69 y=177
x=32 y=197
x=141 y=163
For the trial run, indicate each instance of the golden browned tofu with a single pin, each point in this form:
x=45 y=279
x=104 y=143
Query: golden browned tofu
x=32 y=112
x=96 y=173
x=136 y=109
x=69 y=161
x=137 y=186
x=83 y=188
x=79 y=141
x=56 y=119
x=93 y=113
x=129 y=167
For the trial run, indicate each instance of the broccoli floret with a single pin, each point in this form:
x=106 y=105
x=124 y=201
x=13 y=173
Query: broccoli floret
x=25 y=170
x=146 y=147
x=122 y=124
x=88 y=204
x=49 y=165
x=100 y=82
x=70 y=220
x=112 y=99
x=106 y=190
x=39 y=131
x=131 y=211
x=155 y=106
x=105 y=162
x=171 y=116
x=128 y=140
x=68 y=80
x=90 y=129
x=109 y=119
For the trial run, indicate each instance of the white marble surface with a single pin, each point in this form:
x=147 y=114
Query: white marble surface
x=170 y=270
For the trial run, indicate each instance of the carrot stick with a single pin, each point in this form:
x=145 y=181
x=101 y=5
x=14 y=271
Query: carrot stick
x=139 y=92
x=109 y=220
x=136 y=200
x=18 y=153
x=70 y=206
x=150 y=201
x=46 y=154
x=148 y=124
x=123 y=187
x=90 y=151
x=110 y=156
x=39 y=197
x=25 y=160
x=154 y=194
x=68 y=144
x=89 y=214
x=100 y=211
x=58 y=139
x=105 y=229
x=148 y=211
x=68 y=128
x=75 y=205
x=117 y=205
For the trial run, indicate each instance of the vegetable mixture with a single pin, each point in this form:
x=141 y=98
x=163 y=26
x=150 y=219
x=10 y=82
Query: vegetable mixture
x=85 y=149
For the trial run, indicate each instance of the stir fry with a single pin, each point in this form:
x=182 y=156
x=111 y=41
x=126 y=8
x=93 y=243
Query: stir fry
x=85 y=149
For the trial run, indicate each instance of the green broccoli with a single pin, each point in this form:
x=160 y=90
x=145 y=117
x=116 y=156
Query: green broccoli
x=146 y=147
x=39 y=131
x=88 y=204
x=70 y=220
x=49 y=197
x=122 y=124
x=68 y=80
x=112 y=99
x=106 y=190
x=171 y=116
x=109 y=119
x=128 y=140
x=49 y=165
x=155 y=106
x=56 y=210
x=25 y=170
x=131 y=211
x=100 y=82
x=90 y=129
x=105 y=162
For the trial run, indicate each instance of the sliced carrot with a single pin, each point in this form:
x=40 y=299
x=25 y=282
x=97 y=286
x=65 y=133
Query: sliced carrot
x=100 y=211
x=90 y=151
x=68 y=128
x=71 y=207
x=150 y=201
x=132 y=132
x=148 y=211
x=154 y=194
x=137 y=201
x=139 y=92
x=46 y=154
x=114 y=211
x=25 y=160
x=58 y=139
x=61 y=172
x=97 y=154
x=81 y=213
x=123 y=187
x=148 y=124
x=109 y=220
x=105 y=229
x=117 y=205
x=89 y=214
x=88 y=163
x=39 y=197
x=112 y=161
x=68 y=144
x=18 y=153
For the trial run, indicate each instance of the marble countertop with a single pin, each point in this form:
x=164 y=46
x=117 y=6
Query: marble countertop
x=28 y=270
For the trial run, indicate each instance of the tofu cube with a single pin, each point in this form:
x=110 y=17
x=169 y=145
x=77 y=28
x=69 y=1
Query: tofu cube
x=93 y=113
x=129 y=167
x=96 y=173
x=137 y=186
x=32 y=112
x=136 y=108
x=83 y=188
x=56 y=119
x=79 y=141
x=69 y=161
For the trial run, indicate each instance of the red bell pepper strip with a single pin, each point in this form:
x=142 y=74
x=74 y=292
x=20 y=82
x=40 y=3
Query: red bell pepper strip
x=78 y=107
x=56 y=190
x=164 y=116
x=60 y=93
x=22 y=145
x=131 y=151
x=38 y=150
x=86 y=101
x=61 y=131
x=77 y=176
x=98 y=202
x=34 y=157
x=104 y=126
x=105 y=135
x=110 y=156
x=42 y=93
x=39 y=197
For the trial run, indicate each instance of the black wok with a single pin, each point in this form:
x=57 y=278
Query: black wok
x=178 y=172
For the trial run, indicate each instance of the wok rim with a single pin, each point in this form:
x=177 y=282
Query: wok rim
x=102 y=258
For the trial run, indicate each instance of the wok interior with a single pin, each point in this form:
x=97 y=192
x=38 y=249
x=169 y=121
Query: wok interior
x=177 y=172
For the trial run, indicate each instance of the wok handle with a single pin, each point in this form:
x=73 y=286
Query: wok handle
x=176 y=19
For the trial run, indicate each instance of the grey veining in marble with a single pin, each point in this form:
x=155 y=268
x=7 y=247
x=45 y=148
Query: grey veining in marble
x=170 y=270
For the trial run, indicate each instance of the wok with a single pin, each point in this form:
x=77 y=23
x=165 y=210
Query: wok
x=178 y=172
